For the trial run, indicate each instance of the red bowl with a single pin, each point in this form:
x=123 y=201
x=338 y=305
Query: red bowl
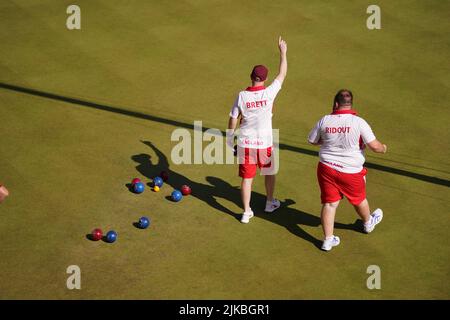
x=186 y=190
x=97 y=234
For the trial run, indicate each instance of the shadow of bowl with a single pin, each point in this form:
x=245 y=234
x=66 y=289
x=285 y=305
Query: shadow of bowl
x=130 y=187
x=136 y=225
x=91 y=238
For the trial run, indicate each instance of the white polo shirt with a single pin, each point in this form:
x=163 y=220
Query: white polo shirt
x=342 y=135
x=255 y=104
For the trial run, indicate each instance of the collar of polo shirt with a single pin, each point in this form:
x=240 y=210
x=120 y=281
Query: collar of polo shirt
x=345 y=112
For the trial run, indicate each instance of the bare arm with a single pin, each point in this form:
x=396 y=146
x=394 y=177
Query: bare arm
x=232 y=123
x=282 y=45
x=377 y=146
x=3 y=193
x=314 y=135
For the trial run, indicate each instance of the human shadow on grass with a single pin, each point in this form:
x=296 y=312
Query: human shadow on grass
x=203 y=192
x=139 y=115
x=288 y=217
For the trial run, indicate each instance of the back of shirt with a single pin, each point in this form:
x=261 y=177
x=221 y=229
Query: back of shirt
x=342 y=136
x=255 y=105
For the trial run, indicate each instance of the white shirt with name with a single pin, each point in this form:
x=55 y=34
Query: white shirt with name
x=342 y=136
x=255 y=105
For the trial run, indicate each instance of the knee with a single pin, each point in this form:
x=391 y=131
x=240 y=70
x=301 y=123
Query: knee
x=332 y=205
x=362 y=204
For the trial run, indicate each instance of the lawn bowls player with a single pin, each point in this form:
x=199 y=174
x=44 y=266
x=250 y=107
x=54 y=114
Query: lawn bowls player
x=254 y=106
x=342 y=137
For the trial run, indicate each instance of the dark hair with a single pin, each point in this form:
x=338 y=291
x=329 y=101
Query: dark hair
x=342 y=99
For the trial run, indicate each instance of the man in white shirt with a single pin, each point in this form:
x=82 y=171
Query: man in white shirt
x=254 y=105
x=342 y=137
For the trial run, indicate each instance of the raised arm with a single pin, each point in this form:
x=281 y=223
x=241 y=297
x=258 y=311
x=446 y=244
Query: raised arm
x=282 y=45
x=163 y=161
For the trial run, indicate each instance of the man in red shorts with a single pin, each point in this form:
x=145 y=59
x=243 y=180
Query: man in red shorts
x=254 y=105
x=342 y=137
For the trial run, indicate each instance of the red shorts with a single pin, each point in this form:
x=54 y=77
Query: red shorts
x=250 y=159
x=335 y=184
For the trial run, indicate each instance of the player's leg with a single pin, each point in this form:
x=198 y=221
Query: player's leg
x=269 y=181
x=247 y=171
x=327 y=216
x=330 y=196
x=363 y=210
x=370 y=220
x=354 y=186
x=246 y=193
x=266 y=163
x=272 y=204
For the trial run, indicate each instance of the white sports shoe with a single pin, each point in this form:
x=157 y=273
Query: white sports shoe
x=246 y=216
x=273 y=205
x=375 y=218
x=328 y=244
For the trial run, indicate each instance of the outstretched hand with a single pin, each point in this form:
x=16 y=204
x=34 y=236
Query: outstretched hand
x=3 y=193
x=282 y=45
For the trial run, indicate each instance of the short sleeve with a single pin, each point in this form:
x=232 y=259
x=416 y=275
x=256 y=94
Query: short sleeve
x=366 y=132
x=314 y=135
x=234 y=113
x=273 y=89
